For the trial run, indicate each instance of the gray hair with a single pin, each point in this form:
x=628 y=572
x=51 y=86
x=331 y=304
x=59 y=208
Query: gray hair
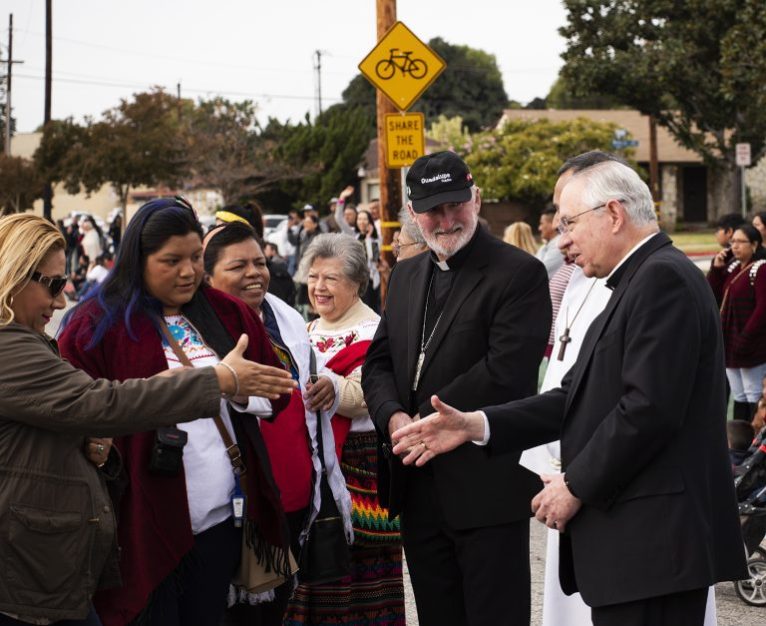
x=409 y=227
x=614 y=180
x=338 y=246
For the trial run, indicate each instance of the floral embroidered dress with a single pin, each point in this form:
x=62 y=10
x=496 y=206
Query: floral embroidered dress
x=374 y=592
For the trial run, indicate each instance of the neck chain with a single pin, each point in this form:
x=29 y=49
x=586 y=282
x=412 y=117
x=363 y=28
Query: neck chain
x=424 y=343
x=565 y=338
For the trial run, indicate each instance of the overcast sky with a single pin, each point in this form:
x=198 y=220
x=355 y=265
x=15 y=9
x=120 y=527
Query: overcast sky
x=104 y=50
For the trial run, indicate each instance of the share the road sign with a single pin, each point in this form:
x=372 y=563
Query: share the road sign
x=405 y=139
x=401 y=66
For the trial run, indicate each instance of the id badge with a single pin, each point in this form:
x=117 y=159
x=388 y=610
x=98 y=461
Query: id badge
x=238 y=504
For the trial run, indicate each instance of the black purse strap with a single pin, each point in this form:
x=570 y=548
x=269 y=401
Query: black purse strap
x=320 y=431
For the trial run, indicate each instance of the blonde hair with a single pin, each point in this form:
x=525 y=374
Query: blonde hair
x=25 y=241
x=520 y=235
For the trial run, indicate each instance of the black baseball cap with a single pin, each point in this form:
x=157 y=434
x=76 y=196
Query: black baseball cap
x=438 y=178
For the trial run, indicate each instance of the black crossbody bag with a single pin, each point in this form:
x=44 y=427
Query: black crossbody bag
x=325 y=556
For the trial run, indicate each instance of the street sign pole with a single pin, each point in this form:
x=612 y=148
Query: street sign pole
x=743 y=158
x=390 y=196
x=743 y=191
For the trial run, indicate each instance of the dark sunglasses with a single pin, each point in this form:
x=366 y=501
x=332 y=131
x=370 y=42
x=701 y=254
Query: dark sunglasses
x=55 y=284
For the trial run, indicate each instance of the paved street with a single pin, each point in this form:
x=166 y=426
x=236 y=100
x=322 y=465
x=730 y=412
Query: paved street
x=731 y=610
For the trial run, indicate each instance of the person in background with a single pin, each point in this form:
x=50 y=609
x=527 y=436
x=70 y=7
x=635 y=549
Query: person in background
x=115 y=232
x=247 y=214
x=302 y=239
x=739 y=436
x=91 y=239
x=281 y=283
x=235 y=264
x=180 y=537
x=724 y=231
x=328 y=224
x=57 y=524
x=549 y=252
x=519 y=234
x=410 y=240
x=337 y=272
x=374 y=210
x=740 y=289
x=345 y=214
x=72 y=235
x=78 y=277
x=759 y=221
x=370 y=239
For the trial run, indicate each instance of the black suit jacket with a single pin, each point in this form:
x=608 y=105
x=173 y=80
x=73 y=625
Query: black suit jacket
x=641 y=417
x=487 y=347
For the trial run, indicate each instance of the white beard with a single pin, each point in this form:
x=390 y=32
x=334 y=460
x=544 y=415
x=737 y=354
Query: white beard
x=459 y=241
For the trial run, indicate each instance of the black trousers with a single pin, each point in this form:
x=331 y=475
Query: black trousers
x=677 y=609
x=196 y=593
x=476 y=577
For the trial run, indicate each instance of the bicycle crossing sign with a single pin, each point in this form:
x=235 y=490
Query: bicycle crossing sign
x=401 y=66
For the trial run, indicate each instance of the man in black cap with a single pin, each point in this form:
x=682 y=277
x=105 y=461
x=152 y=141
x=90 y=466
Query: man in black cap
x=468 y=321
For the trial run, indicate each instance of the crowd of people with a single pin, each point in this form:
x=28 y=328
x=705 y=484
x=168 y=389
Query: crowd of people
x=216 y=403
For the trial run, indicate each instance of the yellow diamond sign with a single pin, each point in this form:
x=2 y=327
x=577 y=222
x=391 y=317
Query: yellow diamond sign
x=401 y=66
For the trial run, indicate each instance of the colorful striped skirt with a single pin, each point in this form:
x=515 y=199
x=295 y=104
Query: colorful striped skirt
x=374 y=592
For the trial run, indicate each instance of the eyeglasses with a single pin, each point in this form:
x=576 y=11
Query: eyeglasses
x=566 y=224
x=396 y=248
x=55 y=284
x=744 y=242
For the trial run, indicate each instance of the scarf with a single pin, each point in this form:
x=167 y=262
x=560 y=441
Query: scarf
x=154 y=528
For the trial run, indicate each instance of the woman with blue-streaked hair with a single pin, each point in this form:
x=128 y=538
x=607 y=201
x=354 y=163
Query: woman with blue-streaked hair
x=180 y=531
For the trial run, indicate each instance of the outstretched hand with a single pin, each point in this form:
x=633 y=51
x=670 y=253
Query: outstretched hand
x=256 y=379
x=436 y=434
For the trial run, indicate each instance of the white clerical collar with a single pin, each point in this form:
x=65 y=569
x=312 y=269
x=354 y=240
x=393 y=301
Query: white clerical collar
x=442 y=265
x=631 y=253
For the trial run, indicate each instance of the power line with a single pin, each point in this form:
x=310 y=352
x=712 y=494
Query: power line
x=113 y=84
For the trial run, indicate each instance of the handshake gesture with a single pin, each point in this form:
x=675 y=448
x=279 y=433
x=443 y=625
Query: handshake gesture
x=440 y=432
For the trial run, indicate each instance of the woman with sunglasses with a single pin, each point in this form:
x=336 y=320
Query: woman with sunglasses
x=56 y=521
x=181 y=533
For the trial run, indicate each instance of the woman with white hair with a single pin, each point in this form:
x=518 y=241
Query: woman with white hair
x=337 y=273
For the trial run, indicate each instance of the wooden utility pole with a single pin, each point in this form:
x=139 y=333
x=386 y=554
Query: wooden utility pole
x=48 y=189
x=390 y=187
x=10 y=63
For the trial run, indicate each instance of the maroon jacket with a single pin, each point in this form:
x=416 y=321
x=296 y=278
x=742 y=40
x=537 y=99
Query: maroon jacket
x=743 y=315
x=154 y=528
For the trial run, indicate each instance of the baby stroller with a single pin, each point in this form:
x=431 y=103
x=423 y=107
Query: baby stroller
x=750 y=485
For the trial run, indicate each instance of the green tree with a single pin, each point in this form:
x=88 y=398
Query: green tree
x=139 y=142
x=329 y=149
x=470 y=87
x=451 y=133
x=697 y=66
x=20 y=184
x=229 y=151
x=521 y=160
x=562 y=96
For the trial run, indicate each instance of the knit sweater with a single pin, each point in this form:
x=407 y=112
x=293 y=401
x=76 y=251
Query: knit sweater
x=743 y=313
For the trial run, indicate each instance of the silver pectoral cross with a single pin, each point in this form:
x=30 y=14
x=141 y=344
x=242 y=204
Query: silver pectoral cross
x=418 y=368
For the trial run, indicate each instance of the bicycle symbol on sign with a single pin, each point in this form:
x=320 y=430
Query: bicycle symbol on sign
x=386 y=68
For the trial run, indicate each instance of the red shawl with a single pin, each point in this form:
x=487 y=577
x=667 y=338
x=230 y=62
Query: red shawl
x=343 y=363
x=154 y=529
